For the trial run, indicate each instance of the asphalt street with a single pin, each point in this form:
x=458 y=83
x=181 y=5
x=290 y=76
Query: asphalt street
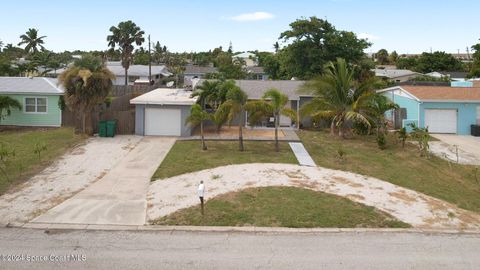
x=83 y=249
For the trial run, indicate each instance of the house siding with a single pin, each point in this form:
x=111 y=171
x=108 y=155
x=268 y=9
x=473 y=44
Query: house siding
x=53 y=117
x=466 y=114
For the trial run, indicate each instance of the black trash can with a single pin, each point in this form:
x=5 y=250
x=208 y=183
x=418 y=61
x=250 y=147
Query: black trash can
x=475 y=130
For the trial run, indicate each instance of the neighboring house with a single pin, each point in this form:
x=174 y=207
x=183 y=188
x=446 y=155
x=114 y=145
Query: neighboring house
x=255 y=89
x=39 y=98
x=163 y=112
x=136 y=72
x=455 y=75
x=256 y=73
x=196 y=72
x=442 y=109
x=396 y=75
x=250 y=59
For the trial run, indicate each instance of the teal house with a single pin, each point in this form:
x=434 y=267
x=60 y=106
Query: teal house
x=39 y=98
x=443 y=109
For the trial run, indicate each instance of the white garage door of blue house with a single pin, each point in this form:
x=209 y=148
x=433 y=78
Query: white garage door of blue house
x=163 y=122
x=441 y=120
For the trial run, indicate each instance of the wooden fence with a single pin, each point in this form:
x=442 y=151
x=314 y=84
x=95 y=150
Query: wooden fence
x=120 y=110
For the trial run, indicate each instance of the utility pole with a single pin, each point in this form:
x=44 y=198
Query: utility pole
x=149 y=62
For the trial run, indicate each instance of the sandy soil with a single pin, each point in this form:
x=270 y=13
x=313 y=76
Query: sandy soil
x=71 y=173
x=247 y=132
x=421 y=211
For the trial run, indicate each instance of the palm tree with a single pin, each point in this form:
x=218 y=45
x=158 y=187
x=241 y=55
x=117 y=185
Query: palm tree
x=197 y=116
x=235 y=106
x=124 y=35
x=32 y=40
x=337 y=96
x=207 y=93
x=6 y=106
x=273 y=102
x=376 y=110
x=87 y=83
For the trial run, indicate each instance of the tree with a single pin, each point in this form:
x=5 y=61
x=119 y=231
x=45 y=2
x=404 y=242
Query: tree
x=125 y=35
x=228 y=68
x=376 y=109
x=1 y=45
x=7 y=104
x=475 y=68
x=314 y=42
x=337 y=96
x=437 y=61
x=87 y=83
x=233 y=107
x=382 y=57
x=273 y=102
x=176 y=64
x=32 y=41
x=197 y=117
x=406 y=63
x=393 y=57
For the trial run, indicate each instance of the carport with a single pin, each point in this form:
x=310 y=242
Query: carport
x=163 y=112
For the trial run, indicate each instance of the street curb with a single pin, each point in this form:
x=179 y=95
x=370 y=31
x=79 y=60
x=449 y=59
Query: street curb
x=226 y=229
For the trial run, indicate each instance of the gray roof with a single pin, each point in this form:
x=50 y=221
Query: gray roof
x=256 y=88
x=138 y=70
x=455 y=74
x=29 y=85
x=393 y=73
x=199 y=70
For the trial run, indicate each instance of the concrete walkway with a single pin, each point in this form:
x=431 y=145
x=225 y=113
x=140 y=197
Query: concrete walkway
x=301 y=154
x=421 y=211
x=120 y=196
x=77 y=169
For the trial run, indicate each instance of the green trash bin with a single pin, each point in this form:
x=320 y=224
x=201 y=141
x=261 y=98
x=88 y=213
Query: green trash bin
x=111 y=128
x=102 y=128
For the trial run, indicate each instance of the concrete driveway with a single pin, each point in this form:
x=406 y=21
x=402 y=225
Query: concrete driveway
x=468 y=148
x=119 y=198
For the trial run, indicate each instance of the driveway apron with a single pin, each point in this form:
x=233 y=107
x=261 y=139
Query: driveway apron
x=120 y=197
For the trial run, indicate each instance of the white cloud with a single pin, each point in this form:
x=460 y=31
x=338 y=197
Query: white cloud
x=368 y=36
x=254 y=16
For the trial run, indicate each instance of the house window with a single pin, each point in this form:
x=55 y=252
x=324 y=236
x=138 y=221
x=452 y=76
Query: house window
x=35 y=105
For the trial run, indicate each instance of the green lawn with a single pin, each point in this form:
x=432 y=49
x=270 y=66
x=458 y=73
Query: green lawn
x=404 y=167
x=282 y=207
x=187 y=156
x=25 y=162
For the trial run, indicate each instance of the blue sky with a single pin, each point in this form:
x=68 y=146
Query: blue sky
x=404 y=25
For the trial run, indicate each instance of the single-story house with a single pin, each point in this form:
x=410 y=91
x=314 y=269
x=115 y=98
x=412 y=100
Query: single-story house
x=196 y=72
x=396 y=75
x=255 y=89
x=163 y=112
x=39 y=98
x=442 y=109
x=136 y=72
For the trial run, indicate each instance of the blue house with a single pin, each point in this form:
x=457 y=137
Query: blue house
x=442 y=109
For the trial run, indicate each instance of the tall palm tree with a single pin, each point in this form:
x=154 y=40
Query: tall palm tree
x=125 y=35
x=197 y=117
x=87 y=83
x=233 y=107
x=337 y=96
x=273 y=102
x=32 y=41
x=6 y=106
x=207 y=93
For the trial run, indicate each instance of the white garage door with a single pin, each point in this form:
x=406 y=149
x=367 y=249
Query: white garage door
x=441 y=121
x=163 y=122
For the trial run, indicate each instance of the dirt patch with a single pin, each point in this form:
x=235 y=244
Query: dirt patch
x=305 y=184
x=355 y=197
x=347 y=182
x=232 y=131
x=78 y=151
x=403 y=196
x=250 y=183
